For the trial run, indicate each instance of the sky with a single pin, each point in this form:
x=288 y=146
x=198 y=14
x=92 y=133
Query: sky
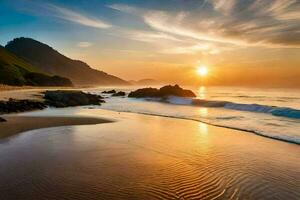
x=241 y=42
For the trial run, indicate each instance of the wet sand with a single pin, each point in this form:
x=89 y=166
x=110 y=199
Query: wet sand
x=16 y=124
x=30 y=93
x=147 y=157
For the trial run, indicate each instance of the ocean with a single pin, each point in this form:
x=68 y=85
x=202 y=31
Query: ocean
x=272 y=113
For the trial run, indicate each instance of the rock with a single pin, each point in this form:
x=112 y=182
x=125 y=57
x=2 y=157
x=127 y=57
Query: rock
x=175 y=90
x=2 y=120
x=15 y=106
x=144 y=92
x=52 y=98
x=119 y=94
x=165 y=91
x=68 y=98
x=109 y=92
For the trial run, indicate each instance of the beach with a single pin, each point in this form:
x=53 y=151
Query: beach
x=27 y=92
x=145 y=157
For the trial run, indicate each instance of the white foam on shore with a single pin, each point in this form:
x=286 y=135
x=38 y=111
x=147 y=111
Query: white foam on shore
x=273 y=110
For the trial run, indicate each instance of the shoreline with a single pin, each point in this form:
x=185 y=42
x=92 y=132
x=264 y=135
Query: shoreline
x=18 y=124
x=221 y=126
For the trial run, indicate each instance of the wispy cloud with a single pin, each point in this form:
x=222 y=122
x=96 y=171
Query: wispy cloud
x=267 y=23
x=148 y=36
x=40 y=8
x=125 y=8
x=175 y=24
x=226 y=6
x=76 y=17
x=84 y=44
x=283 y=10
x=193 y=49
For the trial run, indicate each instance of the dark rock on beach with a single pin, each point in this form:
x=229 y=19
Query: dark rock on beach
x=109 y=92
x=2 y=120
x=119 y=94
x=165 y=91
x=15 y=106
x=68 y=98
x=58 y=98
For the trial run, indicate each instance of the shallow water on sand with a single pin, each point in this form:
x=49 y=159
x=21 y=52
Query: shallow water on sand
x=146 y=157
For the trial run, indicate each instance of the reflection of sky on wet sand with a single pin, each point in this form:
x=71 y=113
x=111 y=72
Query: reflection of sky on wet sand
x=203 y=112
x=202 y=92
x=203 y=128
x=139 y=156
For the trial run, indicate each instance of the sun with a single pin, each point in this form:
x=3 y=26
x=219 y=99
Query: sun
x=202 y=71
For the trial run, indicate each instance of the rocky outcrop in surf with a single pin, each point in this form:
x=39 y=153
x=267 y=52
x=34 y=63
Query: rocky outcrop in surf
x=16 y=106
x=109 y=92
x=119 y=94
x=68 y=98
x=165 y=91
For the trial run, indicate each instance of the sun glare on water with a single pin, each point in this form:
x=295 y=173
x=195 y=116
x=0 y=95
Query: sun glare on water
x=202 y=71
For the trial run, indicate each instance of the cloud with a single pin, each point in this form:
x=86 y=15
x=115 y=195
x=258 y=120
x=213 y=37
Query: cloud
x=76 y=17
x=193 y=49
x=226 y=6
x=84 y=44
x=266 y=23
x=279 y=9
x=148 y=36
x=175 y=24
x=66 y=14
x=125 y=8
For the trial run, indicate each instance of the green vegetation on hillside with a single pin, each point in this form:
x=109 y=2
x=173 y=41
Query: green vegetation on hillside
x=16 y=71
x=52 y=62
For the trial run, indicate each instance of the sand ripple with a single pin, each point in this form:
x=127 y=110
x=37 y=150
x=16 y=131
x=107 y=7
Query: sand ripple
x=168 y=159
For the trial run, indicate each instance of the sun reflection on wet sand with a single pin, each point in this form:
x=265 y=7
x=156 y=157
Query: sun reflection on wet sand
x=203 y=128
x=203 y=112
x=202 y=92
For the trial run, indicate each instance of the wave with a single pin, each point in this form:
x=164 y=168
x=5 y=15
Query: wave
x=273 y=110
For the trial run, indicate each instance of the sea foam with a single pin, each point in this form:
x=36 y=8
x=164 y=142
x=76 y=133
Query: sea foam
x=273 y=110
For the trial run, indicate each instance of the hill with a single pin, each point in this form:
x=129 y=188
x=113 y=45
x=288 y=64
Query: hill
x=16 y=71
x=51 y=61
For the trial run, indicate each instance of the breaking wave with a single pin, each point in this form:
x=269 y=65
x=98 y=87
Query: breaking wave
x=273 y=110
